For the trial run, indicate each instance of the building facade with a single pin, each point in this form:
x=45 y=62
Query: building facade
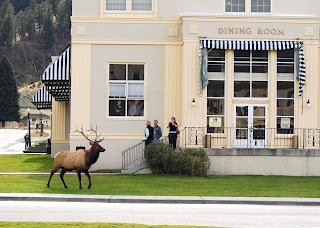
x=234 y=73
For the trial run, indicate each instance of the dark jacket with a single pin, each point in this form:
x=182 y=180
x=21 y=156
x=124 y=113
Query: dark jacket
x=151 y=132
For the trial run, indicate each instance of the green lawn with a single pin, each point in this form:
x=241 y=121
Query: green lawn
x=71 y=225
x=25 y=163
x=164 y=185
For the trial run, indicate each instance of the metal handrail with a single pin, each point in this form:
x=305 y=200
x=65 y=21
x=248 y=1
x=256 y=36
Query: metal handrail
x=232 y=137
x=132 y=155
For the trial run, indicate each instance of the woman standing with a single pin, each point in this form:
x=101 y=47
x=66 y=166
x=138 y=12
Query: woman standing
x=173 y=130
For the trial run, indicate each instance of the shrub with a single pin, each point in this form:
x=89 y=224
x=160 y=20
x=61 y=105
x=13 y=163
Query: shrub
x=193 y=162
x=163 y=160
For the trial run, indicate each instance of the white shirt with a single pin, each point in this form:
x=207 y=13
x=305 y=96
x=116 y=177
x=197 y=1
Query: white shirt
x=146 y=133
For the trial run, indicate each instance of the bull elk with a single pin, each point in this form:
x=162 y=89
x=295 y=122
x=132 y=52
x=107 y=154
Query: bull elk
x=80 y=160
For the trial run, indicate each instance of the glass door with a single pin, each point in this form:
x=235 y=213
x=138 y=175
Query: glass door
x=250 y=126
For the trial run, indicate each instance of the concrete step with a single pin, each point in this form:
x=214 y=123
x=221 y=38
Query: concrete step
x=134 y=168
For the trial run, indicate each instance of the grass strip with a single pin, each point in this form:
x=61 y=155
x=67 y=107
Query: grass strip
x=91 y=225
x=166 y=185
x=26 y=163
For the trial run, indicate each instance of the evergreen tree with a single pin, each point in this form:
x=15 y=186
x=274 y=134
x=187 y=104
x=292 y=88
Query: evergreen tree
x=7 y=26
x=48 y=29
x=9 y=106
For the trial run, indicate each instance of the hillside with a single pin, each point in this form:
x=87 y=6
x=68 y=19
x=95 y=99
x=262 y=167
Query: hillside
x=31 y=31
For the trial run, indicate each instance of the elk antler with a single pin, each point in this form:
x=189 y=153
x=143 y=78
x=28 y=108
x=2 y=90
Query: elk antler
x=97 y=136
x=81 y=132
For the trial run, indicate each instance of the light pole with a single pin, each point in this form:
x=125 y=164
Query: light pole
x=41 y=126
x=29 y=130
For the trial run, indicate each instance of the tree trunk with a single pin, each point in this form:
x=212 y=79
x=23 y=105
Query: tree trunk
x=3 y=123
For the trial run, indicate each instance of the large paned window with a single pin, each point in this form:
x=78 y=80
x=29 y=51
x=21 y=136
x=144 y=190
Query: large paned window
x=235 y=6
x=142 y=5
x=216 y=91
x=250 y=74
x=132 y=5
x=117 y=5
x=260 y=6
x=285 y=91
x=126 y=90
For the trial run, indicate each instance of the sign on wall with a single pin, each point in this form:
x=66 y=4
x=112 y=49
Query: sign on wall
x=215 y=122
x=285 y=123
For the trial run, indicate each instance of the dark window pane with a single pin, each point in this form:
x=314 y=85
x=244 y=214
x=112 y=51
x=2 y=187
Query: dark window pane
x=216 y=67
x=228 y=8
x=286 y=55
x=136 y=108
x=242 y=134
x=260 y=68
x=117 y=72
x=242 y=111
x=242 y=67
x=117 y=108
x=235 y=8
x=285 y=89
x=254 y=9
x=215 y=107
x=215 y=88
x=259 y=89
x=242 y=8
x=286 y=68
x=241 y=89
x=242 y=123
x=260 y=56
x=285 y=107
x=136 y=72
x=241 y=55
x=216 y=55
x=267 y=9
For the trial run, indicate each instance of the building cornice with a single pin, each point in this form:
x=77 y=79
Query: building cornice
x=126 y=20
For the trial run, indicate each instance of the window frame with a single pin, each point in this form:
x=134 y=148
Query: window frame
x=251 y=77
x=128 y=13
x=127 y=98
x=238 y=13
x=261 y=13
x=217 y=76
x=287 y=99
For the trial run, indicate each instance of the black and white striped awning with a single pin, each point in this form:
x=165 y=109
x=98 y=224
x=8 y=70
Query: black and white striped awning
x=42 y=99
x=263 y=45
x=57 y=76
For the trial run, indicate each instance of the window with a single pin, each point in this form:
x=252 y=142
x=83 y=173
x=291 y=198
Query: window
x=216 y=91
x=251 y=74
x=142 y=5
x=260 y=6
x=235 y=6
x=132 y=5
x=126 y=89
x=285 y=91
x=120 y=5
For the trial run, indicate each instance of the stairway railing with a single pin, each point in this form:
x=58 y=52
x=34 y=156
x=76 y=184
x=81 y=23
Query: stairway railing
x=133 y=155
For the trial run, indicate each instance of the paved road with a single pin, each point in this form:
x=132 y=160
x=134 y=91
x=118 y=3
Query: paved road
x=12 y=141
x=159 y=214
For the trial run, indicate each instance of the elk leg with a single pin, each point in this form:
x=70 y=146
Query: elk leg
x=52 y=172
x=89 y=177
x=79 y=177
x=63 y=171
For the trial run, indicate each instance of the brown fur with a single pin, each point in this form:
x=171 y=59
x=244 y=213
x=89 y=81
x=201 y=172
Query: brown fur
x=80 y=161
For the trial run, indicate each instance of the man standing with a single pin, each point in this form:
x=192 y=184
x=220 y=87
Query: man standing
x=148 y=133
x=157 y=132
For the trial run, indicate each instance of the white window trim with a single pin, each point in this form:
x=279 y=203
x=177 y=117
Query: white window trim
x=251 y=77
x=128 y=13
x=262 y=13
x=295 y=84
x=237 y=13
x=131 y=118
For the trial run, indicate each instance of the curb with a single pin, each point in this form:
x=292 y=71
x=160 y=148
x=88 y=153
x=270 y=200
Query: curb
x=159 y=199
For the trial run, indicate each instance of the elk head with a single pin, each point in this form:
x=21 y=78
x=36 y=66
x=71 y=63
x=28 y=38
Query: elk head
x=95 y=144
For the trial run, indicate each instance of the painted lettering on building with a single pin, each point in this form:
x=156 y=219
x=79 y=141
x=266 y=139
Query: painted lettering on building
x=249 y=31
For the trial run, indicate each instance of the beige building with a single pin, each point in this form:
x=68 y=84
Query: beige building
x=235 y=74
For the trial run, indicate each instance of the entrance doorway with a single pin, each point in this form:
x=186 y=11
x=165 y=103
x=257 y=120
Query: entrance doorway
x=250 y=126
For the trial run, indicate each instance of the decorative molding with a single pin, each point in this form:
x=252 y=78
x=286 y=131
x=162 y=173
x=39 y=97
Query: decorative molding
x=127 y=42
x=173 y=31
x=81 y=31
x=75 y=19
x=193 y=29
x=308 y=31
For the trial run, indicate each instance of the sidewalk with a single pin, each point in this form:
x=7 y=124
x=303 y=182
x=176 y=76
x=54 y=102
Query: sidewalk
x=158 y=199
